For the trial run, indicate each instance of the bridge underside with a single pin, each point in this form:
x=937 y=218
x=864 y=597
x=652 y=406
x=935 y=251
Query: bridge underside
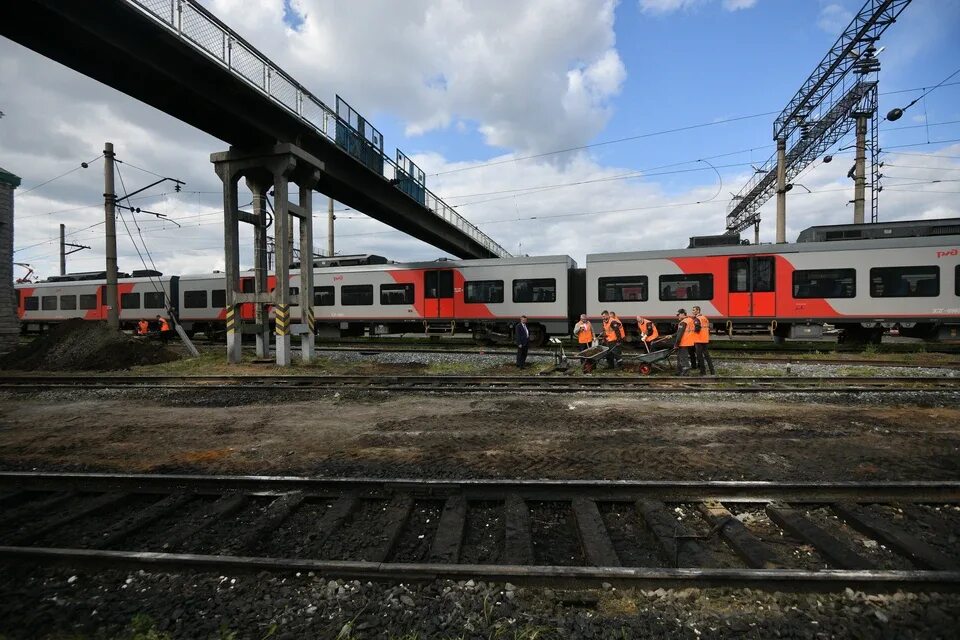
x=112 y=42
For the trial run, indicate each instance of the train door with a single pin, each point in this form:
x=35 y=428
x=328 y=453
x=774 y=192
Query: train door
x=102 y=311
x=751 y=287
x=438 y=294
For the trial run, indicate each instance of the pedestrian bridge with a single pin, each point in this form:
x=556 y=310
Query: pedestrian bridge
x=178 y=57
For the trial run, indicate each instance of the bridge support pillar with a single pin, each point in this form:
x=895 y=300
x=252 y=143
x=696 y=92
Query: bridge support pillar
x=275 y=167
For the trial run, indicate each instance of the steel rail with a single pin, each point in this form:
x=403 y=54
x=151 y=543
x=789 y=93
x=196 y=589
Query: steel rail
x=622 y=577
x=939 y=572
x=787 y=358
x=486 y=384
x=745 y=491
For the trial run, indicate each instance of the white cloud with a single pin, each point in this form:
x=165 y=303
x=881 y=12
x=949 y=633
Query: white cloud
x=834 y=18
x=512 y=66
x=736 y=5
x=669 y=6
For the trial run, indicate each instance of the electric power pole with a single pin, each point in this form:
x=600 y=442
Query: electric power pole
x=63 y=249
x=330 y=219
x=109 y=210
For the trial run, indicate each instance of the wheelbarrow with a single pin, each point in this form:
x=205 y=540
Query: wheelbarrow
x=659 y=360
x=592 y=356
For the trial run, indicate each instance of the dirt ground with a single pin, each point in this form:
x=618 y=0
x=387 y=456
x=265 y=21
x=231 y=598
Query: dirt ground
x=490 y=436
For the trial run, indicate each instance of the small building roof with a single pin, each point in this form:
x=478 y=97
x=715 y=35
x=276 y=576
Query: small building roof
x=8 y=178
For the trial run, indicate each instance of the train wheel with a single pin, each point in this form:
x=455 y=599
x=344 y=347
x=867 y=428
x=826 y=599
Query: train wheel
x=538 y=335
x=645 y=369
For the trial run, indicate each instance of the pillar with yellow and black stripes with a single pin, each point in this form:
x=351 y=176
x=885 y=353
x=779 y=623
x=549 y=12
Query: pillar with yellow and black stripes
x=282 y=329
x=234 y=339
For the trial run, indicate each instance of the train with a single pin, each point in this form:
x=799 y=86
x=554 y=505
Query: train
x=861 y=279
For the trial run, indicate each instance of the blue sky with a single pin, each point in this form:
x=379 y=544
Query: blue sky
x=455 y=85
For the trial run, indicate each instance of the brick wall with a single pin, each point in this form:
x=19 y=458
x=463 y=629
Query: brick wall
x=9 y=328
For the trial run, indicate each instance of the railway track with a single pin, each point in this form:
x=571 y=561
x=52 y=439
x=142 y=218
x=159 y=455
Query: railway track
x=579 y=533
x=486 y=384
x=726 y=356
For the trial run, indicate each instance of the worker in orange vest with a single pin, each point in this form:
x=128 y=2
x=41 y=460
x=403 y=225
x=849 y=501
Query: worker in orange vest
x=683 y=342
x=648 y=331
x=143 y=327
x=621 y=331
x=583 y=330
x=702 y=342
x=164 y=328
x=612 y=332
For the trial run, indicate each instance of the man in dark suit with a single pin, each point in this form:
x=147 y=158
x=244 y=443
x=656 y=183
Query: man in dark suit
x=522 y=333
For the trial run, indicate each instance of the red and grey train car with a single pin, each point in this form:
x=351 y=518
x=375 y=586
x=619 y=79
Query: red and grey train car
x=84 y=296
x=903 y=275
x=862 y=287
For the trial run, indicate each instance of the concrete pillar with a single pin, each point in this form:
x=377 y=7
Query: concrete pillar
x=860 y=173
x=9 y=326
x=307 y=338
x=110 y=230
x=231 y=259
x=259 y=187
x=284 y=251
x=781 y=190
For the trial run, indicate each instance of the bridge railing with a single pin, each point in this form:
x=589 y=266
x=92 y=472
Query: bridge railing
x=203 y=31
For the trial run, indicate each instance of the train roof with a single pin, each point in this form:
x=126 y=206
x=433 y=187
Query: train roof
x=569 y=262
x=761 y=249
x=877 y=230
x=94 y=283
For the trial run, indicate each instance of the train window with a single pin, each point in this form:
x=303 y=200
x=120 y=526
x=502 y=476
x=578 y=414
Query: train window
x=622 y=289
x=48 y=303
x=88 y=301
x=751 y=274
x=323 y=297
x=739 y=275
x=956 y=280
x=825 y=283
x=68 y=303
x=905 y=282
x=195 y=299
x=396 y=294
x=129 y=300
x=31 y=303
x=687 y=286
x=483 y=291
x=153 y=300
x=247 y=285
x=535 y=290
x=294 y=292
x=218 y=298
x=356 y=294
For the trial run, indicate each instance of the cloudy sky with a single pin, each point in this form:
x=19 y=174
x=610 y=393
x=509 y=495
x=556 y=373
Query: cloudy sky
x=556 y=126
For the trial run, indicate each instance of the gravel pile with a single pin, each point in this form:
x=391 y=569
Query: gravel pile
x=81 y=345
x=469 y=360
x=60 y=603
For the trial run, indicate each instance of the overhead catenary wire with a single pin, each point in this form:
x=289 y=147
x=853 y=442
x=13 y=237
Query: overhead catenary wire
x=662 y=132
x=82 y=165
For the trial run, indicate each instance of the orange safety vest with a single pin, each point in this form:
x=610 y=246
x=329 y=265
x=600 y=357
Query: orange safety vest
x=688 y=339
x=622 y=333
x=703 y=336
x=608 y=333
x=143 y=328
x=164 y=326
x=585 y=335
x=653 y=335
